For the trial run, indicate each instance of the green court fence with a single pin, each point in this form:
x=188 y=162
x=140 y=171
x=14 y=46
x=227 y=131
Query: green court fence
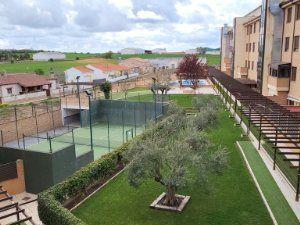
x=113 y=122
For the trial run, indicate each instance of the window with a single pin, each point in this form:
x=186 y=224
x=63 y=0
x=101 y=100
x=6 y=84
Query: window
x=289 y=15
x=252 y=66
x=246 y=47
x=274 y=73
x=287 y=44
x=294 y=73
x=248 y=64
x=296 y=44
x=249 y=47
x=298 y=12
x=9 y=90
x=253 y=47
x=254 y=28
x=245 y=63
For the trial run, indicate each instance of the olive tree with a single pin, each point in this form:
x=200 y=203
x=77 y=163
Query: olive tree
x=174 y=153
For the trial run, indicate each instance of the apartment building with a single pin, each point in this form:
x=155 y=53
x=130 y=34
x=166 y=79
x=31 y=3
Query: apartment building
x=290 y=53
x=226 y=49
x=266 y=50
x=246 y=41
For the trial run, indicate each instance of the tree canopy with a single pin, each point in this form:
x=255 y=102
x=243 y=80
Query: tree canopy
x=176 y=152
x=192 y=68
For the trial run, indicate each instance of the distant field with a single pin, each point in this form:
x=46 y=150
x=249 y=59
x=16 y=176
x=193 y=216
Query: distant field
x=147 y=56
x=58 y=67
x=211 y=59
x=73 y=56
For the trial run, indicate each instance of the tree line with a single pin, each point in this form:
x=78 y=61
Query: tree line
x=15 y=55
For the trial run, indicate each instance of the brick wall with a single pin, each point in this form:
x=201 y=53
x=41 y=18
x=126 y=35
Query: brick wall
x=28 y=126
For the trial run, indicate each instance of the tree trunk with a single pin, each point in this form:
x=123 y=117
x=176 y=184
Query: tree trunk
x=170 y=199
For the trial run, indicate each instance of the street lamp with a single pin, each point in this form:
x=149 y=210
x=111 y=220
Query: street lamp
x=78 y=94
x=89 y=94
x=155 y=100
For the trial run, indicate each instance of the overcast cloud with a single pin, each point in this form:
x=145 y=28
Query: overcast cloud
x=102 y=25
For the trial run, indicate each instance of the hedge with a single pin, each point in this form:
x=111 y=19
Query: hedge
x=50 y=208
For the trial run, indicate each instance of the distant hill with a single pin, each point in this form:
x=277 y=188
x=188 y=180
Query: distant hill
x=211 y=49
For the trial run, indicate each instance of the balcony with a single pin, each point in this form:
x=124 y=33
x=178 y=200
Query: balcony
x=279 y=77
x=242 y=72
x=279 y=83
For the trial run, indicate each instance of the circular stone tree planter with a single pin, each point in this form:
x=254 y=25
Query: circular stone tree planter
x=158 y=203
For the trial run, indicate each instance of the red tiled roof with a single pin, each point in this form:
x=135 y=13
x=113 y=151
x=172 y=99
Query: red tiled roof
x=83 y=69
x=110 y=67
x=24 y=80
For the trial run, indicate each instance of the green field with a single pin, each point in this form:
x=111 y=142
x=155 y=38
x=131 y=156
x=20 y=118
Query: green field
x=73 y=56
x=58 y=67
x=233 y=200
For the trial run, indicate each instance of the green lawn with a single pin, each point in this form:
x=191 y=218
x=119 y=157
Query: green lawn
x=280 y=207
x=233 y=199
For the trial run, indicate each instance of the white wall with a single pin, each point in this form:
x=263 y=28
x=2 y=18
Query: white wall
x=16 y=89
x=72 y=73
x=27 y=96
x=46 y=56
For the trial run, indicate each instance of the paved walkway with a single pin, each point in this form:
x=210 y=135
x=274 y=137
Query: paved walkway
x=28 y=203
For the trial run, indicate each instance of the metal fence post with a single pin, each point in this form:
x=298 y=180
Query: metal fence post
x=145 y=114
x=53 y=124
x=260 y=126
x=275 y=150
x=73 y=139
x=134 y=118
x=155 y=113
x=24 y=145
x=16 y=125
x=1 y=135
x=50 y=144
x=123 y=126
x=108 y=133
x=36 y=124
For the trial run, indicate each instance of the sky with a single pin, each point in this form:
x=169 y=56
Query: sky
x=103 y=25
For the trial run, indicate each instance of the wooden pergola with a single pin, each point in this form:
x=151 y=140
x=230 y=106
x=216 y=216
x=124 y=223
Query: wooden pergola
x=11 y=210
x=276 y=128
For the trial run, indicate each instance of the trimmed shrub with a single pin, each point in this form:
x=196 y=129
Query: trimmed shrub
x=50 y=208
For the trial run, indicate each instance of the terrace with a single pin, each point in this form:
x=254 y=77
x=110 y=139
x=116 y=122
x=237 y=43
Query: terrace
x=119 y=203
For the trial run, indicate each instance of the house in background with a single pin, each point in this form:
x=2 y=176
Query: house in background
x=85 y=74
x=137 y=65
x=113 y=72
x=98 y=73
x=22 y=87
x=46 y=56
x=132 y=51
